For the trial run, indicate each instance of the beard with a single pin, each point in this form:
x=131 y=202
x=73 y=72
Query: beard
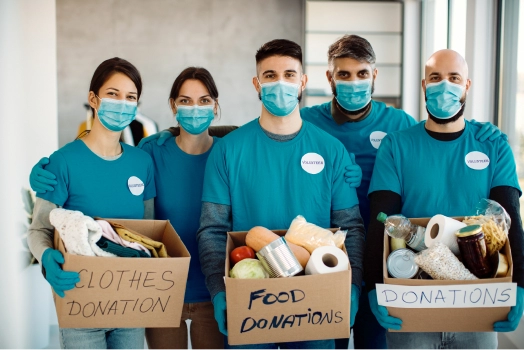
x=358 y=111
x=453 y=119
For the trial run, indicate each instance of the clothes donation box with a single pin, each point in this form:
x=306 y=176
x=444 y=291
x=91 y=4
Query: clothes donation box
x=286 y=309
x=116 y=292
x=427 y=305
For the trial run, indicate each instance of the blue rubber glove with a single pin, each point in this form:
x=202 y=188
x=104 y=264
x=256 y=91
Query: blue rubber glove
x=353 y=174
x=40 y=179
x=219 y=304
x=59 y=279
x=160 y=138
x=355 y=294
x=514 y=315
x=381 y=313
x=488 y=131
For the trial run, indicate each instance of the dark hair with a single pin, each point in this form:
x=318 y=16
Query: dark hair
x=352 y=46
x=279 y=47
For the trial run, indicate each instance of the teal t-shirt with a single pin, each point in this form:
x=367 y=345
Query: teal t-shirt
x=98 y=187
x=442 y=177
x=269 y=183
x=179 y=179
x=361 y=138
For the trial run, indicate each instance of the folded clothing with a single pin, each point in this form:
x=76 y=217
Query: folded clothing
x=110 y=234
x=157 y=249
x=120 y=251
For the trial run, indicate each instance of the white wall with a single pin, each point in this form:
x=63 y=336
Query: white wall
x=161 y=38
x=28 y=128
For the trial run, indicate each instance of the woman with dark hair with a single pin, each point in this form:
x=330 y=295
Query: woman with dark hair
x=99 y=176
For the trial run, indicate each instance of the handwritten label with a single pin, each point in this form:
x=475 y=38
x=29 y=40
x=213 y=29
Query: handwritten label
x=452 y=296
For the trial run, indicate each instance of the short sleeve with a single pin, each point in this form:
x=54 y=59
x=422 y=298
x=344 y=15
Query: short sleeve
x=58 y=166
x=150 y=187
x=385 y=173
x=216 y=180
x=343 y=196
x=505 y=172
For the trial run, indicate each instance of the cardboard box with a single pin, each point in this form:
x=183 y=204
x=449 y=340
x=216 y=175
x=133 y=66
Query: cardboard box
x=127 y=292
x=447 y=319
x=275 y=310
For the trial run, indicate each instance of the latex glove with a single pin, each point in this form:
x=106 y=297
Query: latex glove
x=160 y=138
x=59 y=279
x=381 y=313
x=488 y=131
x=514 y=315
x=355 y=295
x=40 y=179
x=219 y=304
x=353 y=174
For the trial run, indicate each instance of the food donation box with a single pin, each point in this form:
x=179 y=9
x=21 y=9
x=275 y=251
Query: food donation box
x=126 y=292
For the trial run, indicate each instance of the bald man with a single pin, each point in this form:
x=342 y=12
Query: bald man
x=438 y=167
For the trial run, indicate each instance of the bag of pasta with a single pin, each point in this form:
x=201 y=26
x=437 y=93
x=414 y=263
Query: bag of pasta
x=311 y=236
x=495 y=223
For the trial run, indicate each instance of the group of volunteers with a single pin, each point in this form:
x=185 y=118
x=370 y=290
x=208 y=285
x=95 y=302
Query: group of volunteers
x=211 y=180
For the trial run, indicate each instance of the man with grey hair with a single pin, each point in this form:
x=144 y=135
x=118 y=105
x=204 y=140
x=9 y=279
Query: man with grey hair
x=446 y=141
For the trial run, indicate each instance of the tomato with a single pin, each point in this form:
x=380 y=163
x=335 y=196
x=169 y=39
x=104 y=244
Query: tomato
x=241 y=253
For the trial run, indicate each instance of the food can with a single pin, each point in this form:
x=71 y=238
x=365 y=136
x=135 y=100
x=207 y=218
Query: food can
x=401 y=263
x=278 y=259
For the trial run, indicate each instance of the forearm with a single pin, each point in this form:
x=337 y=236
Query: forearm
x=508 y=197
x=40 y=234
x=380 y=201
x=350 y=220
x=149 y=209
x=215 y=222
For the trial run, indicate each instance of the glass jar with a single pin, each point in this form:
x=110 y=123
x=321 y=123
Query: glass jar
x=472 y=247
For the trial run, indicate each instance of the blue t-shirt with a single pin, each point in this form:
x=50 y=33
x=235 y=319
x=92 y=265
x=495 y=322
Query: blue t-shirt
x=361 y=138
x=269 y=183
x=98 y=187
x=442 y=177
x=179 y=178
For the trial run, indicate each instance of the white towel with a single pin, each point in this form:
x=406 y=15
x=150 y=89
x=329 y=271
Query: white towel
x=79 y=232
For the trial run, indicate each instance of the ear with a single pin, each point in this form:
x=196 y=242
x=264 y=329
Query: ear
x=256 y=84
x=172 y=105
x=93 y=101
x=215 y=109
x=468 y=85
x=375 y=73
x=303 y=82
x=329 y=76
x=423 y=84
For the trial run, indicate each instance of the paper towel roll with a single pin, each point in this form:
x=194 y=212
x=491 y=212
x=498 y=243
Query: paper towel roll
x=327 y=259
x=442 y=229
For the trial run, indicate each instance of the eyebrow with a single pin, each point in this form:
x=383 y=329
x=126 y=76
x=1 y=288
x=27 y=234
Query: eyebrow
x=112 y=88
x=437 y=74
x=192 y=98
x=455 y=73
x=269 y=71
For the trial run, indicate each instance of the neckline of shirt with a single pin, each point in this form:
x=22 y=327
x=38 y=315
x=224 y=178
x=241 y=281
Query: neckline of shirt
x=466 y=130
x=179 y=151
x=356 y=124
x=118 y=159
x=270 y=141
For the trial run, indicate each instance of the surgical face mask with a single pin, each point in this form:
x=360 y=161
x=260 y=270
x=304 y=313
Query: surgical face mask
x=443 y=99
x=280 y=98
x=195 y=119
x=116 y=115
x=353 y=95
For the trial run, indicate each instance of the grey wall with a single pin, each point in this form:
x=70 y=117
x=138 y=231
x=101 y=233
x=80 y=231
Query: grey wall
x=161 y=38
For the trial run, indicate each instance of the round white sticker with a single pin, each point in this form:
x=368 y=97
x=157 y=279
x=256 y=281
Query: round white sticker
x=477 y=160
x=376 y=138
x=312 y=163
x=136 y=186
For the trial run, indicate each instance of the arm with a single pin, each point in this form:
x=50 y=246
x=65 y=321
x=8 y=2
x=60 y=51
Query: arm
x=40 y=234
x=149 y=209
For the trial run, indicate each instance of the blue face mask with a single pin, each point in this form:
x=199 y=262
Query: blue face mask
x=353 y=95
x=195 y=119
x=443 y=99
x=280 y=98
x=116 y=115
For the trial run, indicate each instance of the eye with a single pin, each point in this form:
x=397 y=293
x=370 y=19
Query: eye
x=269 y=76
x=111 y=93
x=184 y=101
x=290 y=75
x=132 y=98
x=343 y=75
x=205 y=101
x=364 y=74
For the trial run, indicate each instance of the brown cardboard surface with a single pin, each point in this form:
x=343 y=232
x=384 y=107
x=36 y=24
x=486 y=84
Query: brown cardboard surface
x=446 y=319
x=286 y=309
x=127 y=292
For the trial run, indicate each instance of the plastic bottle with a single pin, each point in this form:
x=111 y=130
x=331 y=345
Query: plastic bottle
x=398 y=226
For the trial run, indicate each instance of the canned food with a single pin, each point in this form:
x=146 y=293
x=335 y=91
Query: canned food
x=401 y=263
x=278 y=259
x=473 y=249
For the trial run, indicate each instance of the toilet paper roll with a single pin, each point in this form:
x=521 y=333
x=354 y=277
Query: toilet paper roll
x=327 y=259
x=442 y=229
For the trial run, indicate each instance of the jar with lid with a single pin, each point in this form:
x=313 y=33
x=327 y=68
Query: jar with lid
x=472 y=247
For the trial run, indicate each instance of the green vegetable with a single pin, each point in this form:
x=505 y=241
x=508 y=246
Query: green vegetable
x=248 y=268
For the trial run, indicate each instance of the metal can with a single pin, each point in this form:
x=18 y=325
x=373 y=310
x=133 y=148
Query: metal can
x=473 y=250
x=401 y=263
x=278 y=259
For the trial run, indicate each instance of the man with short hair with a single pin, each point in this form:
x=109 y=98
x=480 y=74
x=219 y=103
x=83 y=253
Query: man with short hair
x=423 y=171
x=360 y=123
x=255 y=176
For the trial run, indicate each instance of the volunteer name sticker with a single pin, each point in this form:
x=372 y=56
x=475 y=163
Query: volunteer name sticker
x=312 y=163
x=376 y=138
x=135 y=185
x=477 y=160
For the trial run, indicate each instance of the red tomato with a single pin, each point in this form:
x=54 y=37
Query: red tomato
x=241 y=253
